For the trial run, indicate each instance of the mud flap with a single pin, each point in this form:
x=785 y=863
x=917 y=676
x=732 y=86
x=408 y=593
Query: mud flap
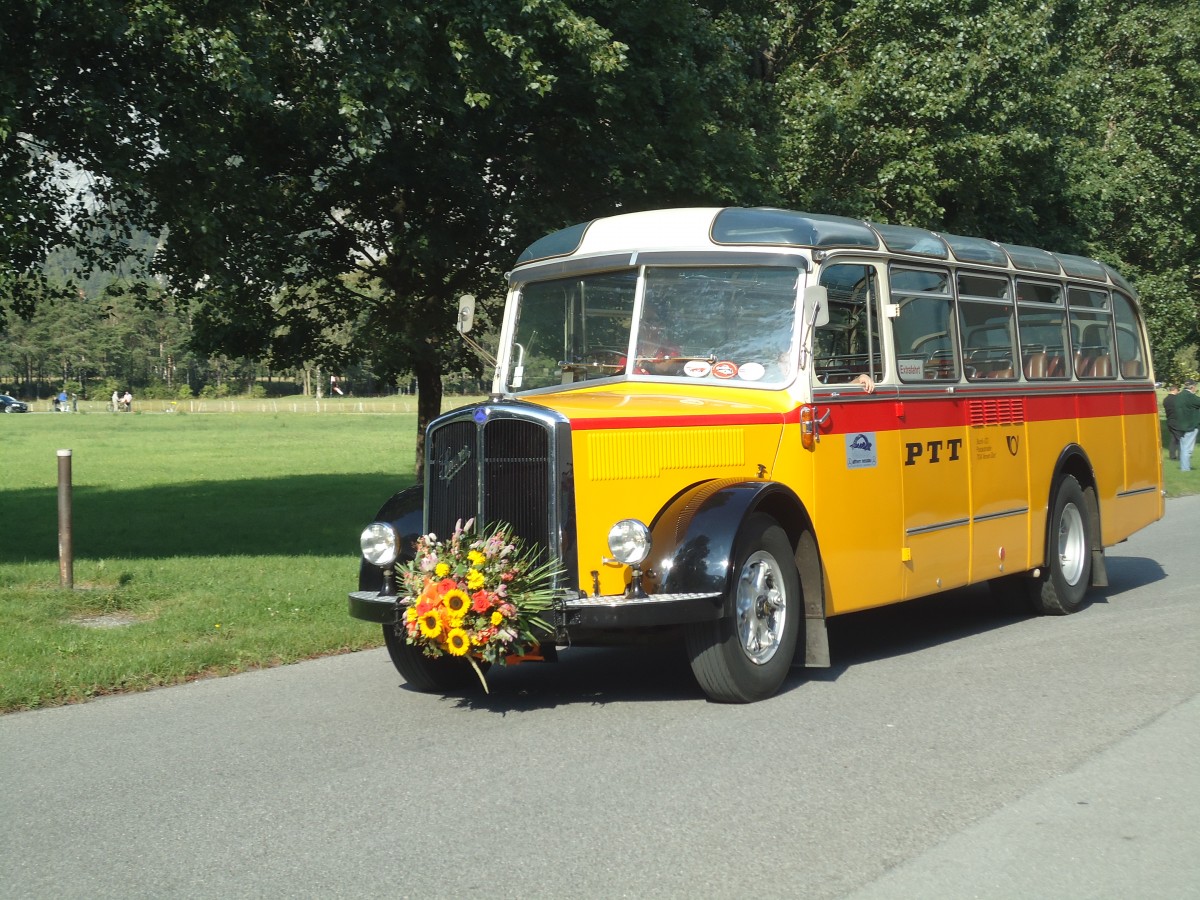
x=1099 y=568
x=812 y=585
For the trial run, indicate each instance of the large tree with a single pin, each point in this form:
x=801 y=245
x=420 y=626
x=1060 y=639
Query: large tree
x=333 y=165
x=939 y=114
x=1136 y=174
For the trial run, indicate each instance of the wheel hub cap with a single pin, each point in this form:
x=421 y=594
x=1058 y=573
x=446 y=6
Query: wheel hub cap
x=761 y=610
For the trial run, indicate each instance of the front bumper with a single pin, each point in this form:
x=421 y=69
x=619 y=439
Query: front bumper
x=370 y=606
x=603 y=612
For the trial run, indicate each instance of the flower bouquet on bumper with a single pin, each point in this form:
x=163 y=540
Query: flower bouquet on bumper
x=478 y=595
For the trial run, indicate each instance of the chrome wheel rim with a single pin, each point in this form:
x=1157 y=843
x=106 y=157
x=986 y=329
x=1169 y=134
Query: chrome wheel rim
x=1072 y=544
x=761 y=607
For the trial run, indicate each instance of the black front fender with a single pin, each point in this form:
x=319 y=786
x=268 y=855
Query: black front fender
x=404 y=512
x=695 y=537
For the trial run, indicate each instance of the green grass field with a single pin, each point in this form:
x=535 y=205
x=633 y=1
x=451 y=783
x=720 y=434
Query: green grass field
x=207 y=543
x=204 y=544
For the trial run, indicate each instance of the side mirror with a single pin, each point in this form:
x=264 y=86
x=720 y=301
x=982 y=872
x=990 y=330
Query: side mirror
x=466 y=313
x=816 y=305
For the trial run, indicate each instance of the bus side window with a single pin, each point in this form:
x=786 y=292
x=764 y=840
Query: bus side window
x=1091 y=322
x=1130 y=352
x=1041 y=327
x=848 y=345
x=923 y=329
x=985 y=317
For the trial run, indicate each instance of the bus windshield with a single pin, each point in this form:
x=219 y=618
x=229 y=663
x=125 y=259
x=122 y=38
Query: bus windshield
x=719 y=324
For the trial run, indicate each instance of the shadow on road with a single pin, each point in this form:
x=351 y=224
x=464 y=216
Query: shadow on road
x=660 y=672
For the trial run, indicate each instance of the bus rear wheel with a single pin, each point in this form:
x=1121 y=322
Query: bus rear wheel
x=746 y=657
x=1068 y=553
x=426 y=674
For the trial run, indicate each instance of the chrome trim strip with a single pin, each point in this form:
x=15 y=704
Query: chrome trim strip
x=607 y=601
x=1146 y=490
x=1002 y=515
x=614 y=601
x=940 y=526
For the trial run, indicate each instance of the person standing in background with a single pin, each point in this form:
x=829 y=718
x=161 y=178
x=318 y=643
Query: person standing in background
x=1172 y=415
x=1187 y=405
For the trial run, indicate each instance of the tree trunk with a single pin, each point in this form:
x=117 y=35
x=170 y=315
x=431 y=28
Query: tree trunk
x=429 y=406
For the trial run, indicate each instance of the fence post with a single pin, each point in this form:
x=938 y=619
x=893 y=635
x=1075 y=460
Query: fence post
x=66 y=553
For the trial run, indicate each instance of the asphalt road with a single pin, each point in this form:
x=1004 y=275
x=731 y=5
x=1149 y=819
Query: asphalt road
x=956 y=750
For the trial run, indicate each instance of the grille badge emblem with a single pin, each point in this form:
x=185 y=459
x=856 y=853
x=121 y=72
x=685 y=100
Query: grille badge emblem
x=452 y=465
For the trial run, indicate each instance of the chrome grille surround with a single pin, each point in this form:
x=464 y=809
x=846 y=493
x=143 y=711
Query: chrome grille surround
x=504 y=461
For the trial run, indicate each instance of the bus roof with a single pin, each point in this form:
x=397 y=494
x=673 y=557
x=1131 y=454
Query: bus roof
x=710 y=227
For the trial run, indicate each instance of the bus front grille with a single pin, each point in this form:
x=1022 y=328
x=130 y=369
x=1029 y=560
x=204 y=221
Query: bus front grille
x=495 y=467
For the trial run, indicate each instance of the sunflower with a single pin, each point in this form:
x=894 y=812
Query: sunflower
x=431 y=625
x=457 y=603
x=458 y=642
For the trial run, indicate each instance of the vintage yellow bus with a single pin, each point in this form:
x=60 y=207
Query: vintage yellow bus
x=731 y=424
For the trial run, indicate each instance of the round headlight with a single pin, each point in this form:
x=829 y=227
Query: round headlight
x=629 y=542
x=379 y=544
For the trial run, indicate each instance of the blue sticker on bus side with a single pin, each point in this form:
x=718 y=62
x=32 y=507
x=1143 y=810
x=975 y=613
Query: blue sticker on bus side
x=860 y=450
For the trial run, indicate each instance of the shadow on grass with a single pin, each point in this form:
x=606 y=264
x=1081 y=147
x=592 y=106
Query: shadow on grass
x=298 y=515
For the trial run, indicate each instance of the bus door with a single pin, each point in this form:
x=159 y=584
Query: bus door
x=856 y=505
x=996 y=449
x=934 y=471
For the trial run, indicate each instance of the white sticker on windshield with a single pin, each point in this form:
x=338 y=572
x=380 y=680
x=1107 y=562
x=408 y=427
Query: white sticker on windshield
x=696 y=368
x=751 y=371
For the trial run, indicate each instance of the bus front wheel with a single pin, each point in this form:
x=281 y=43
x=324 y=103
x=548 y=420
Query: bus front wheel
x=746 y=656
x=425 y=674
x=1069 y=553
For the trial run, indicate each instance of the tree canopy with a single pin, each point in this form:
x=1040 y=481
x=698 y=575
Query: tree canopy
x=335 y=167
x=326 y=177
x=1070 y=125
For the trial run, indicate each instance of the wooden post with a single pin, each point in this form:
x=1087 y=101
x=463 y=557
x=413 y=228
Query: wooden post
x=66 y=553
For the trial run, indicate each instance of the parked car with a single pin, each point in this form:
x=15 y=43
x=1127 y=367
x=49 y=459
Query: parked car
x=12 y=404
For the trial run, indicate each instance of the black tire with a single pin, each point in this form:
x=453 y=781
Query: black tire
x=746 y=657
x=426 y=674
x=1068 y=574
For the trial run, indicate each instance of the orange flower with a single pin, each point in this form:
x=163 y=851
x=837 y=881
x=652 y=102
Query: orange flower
x=481 y=601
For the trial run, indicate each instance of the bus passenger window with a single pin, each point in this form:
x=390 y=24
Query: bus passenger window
x=1041 y=328
x=923 y=329
x=985 y=317
x=1130 y=352
x=1091 y=329
x=848 y=345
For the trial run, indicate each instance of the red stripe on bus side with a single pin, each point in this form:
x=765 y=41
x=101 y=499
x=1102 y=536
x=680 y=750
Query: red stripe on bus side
x=892 y=413
x=955 y=412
